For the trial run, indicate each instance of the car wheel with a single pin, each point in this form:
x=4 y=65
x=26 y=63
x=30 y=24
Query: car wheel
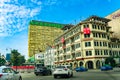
x=68 y=75
x=36 y=74
x=50 y=73
x=20 y=78
x=72 y=74
x=55 y=76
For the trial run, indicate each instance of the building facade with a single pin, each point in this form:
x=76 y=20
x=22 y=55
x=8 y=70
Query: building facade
x=86 y=44
x=115 y=23
x=41 y=34
x=49 y=57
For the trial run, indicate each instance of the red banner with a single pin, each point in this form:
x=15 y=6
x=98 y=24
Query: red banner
x=86 y=30
x=23 y=67
x=62 y=40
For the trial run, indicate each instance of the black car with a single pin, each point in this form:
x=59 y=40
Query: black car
x=42 y=71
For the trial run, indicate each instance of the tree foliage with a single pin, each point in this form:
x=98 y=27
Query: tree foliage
x=16 y=58
x=29 y=60
x=21 y=59
x=2 y=61
x=111 y=61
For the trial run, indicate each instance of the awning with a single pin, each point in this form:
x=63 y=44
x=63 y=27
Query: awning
x=32 y=59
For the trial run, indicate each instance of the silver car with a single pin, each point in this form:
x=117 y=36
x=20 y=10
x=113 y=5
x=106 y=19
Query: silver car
x=7 y=73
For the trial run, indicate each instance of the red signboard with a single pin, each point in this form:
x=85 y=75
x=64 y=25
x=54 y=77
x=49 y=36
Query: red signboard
x=116 y=15
x=86 y=30
x=62 y=40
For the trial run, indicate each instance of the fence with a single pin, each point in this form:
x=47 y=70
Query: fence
x=23 y=69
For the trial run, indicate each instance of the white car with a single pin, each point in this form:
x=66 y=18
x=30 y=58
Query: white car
x=7 y=73
x=63 y=70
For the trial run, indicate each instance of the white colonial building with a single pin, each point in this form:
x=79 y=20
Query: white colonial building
x=49 y=57
x=86 y=44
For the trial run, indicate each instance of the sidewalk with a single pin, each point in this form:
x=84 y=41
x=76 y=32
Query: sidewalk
x=99 y=70
x=117 y=69
x=94 y=70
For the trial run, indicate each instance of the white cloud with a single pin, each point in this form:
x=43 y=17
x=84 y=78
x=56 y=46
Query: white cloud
x=37 y=2
x=45 y=2
x=51 y=2
x=2 y=1
x=34 y=12
x=13 y=18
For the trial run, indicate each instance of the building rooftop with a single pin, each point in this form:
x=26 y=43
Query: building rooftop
x=113 y=39
x=67 y=26
x=98 y=18
x=48 y=24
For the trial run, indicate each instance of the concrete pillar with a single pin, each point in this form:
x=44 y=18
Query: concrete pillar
x=84 y=64
x=94 y=64
x=101 y=63
x=78 y=63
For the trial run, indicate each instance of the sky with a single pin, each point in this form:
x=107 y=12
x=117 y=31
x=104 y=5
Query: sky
x=15 y=16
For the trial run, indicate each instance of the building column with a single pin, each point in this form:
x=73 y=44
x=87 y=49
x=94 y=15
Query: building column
x=94 y=64
x=84 y=64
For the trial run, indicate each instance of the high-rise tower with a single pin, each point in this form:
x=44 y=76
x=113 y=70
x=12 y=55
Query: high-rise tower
x=41 y=34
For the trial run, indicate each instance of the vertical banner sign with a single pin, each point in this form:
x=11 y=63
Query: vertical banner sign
x=88 y=30
x=62 y=40
x=84 y=30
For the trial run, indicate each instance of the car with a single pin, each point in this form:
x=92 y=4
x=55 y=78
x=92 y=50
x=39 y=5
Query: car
x=106 y=67
x=81 y=69
x=118 y=65
x=63 y=71
x=7 y=73
x=42 y=71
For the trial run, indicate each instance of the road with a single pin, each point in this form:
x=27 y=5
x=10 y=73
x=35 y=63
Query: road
x=90 y=75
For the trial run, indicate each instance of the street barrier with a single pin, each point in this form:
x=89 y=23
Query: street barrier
x=23 y=69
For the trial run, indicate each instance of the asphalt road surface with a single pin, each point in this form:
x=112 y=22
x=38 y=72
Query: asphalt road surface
x=89 y=75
